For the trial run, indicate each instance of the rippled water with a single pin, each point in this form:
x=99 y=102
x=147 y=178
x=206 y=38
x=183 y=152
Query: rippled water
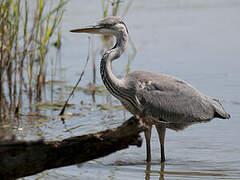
x=195 y=40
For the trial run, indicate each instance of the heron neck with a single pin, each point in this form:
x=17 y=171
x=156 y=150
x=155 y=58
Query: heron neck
x=113 y=83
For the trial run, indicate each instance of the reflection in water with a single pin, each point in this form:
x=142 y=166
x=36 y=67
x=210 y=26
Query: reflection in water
x=148 y=171
x=201 y=171
x=162 y=172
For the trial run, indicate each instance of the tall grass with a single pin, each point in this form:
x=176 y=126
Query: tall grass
x=27 y=29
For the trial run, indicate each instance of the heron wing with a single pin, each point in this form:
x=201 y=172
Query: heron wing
x=170 y=99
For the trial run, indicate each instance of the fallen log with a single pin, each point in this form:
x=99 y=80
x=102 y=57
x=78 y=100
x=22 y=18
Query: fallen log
x=20 y=158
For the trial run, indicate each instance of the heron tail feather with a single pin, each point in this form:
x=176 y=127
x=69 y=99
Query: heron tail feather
x=219 y=110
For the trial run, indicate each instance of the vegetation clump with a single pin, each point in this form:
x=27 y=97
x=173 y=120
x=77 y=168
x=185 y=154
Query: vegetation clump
x=27 y=29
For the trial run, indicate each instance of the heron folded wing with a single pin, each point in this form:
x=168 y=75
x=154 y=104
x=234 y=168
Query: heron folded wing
x=171 y=99
x=175 y=105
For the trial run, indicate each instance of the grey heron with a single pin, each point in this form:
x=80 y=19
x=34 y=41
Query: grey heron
x=157 y=99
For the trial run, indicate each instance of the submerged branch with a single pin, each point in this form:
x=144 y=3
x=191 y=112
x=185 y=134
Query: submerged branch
x=20 y=158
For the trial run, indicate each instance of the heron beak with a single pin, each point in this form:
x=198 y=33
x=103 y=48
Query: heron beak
x=88 y=29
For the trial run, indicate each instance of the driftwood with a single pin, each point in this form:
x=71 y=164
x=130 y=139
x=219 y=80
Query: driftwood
x=19 y=158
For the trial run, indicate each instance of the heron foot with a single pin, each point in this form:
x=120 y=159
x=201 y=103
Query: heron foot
x=149 y=159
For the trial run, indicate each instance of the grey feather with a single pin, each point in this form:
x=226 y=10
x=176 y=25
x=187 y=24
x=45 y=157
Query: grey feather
x=172 y=100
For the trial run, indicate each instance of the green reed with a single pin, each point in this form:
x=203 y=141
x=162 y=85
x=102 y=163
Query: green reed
x=106 y=5
x=27 y=30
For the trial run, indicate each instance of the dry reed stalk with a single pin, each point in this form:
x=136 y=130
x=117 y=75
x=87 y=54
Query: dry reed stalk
x=80 y=78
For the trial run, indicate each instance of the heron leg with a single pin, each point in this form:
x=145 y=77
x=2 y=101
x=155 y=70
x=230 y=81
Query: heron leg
x=147 y=134
x=161 y=129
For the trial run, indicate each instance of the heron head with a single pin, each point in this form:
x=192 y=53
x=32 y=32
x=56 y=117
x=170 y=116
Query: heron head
x=108 y=26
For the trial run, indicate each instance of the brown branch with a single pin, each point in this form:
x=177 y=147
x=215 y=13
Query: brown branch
x=20 y=158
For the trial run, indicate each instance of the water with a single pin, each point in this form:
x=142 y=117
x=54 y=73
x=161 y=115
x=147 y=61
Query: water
x=197 y=41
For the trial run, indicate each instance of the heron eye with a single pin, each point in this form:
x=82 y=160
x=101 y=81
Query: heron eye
x=108 y=25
